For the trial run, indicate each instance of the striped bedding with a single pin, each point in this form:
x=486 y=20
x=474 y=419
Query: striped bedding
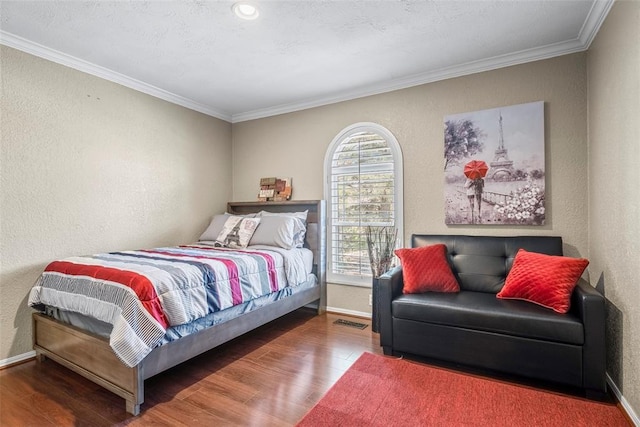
x=144 y=292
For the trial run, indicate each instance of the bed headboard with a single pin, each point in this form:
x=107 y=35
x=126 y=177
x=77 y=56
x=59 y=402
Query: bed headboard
x=315 y=238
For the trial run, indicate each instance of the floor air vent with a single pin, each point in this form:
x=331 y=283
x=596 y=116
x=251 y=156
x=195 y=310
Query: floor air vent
x=350 y=324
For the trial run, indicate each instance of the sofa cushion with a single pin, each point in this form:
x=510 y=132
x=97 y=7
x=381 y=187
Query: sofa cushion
x=483 y=311
x=543 y=279
x=426 y=269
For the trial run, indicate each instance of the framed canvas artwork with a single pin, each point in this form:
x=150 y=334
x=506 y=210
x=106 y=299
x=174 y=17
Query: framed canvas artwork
x=494 y=166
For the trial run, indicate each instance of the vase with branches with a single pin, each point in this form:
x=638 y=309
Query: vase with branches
x=381 y=242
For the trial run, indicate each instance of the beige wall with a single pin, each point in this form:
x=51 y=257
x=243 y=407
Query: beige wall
x=88 y=166
x=295 y=145
x=613 y=69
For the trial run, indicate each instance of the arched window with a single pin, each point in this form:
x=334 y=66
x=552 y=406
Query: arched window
x=363 y=187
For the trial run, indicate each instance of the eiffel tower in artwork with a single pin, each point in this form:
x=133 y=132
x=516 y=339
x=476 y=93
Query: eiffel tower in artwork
x=501 y=166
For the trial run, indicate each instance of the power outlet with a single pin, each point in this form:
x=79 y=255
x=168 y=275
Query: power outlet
x=370 y=300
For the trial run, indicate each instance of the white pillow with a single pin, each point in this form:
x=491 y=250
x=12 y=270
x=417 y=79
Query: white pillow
x=300 y=228
x=277 y=230
x=237 y=232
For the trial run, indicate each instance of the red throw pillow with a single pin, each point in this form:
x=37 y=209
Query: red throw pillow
x=546 y=280
x=426 y=269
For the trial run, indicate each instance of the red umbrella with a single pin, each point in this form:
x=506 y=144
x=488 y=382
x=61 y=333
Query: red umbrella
x=475 y=169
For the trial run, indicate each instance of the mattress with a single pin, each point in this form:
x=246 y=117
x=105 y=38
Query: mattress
x=142 y=294
x=103 y=329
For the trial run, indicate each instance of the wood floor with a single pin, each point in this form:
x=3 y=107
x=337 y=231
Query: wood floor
x=269 y=377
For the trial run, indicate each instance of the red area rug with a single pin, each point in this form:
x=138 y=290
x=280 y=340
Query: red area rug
x=385 y=391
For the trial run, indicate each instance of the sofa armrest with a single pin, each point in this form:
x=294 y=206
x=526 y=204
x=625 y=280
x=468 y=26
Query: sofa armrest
x=389 y=287
x=589 y=305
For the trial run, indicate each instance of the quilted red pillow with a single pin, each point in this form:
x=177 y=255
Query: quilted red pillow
x=426 y=269
x=546 y=280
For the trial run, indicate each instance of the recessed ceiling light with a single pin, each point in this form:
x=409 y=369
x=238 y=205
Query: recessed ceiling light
x=245 y=10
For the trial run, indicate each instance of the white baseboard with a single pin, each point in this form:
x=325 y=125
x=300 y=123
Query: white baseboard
x=337 y=310
x=628 y=409
x=16 y=359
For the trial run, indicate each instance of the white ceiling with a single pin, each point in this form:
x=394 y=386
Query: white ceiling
x=297 y=54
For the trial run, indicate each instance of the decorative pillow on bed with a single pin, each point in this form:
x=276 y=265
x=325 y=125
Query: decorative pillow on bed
x=237 y=232
x=426 y=269
x=546 y=280
x=300 y=228
x=277 y=230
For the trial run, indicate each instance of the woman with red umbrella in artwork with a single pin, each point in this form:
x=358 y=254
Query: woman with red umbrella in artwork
x=475 y=171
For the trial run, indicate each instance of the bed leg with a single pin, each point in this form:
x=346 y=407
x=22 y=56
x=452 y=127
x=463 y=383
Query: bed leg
x=133 y=403
x=132 y=408
x=321 y=308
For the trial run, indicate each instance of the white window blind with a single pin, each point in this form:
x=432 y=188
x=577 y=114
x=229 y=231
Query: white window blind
x=362 y=192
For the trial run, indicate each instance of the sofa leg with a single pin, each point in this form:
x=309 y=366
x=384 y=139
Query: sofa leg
x=598 y=395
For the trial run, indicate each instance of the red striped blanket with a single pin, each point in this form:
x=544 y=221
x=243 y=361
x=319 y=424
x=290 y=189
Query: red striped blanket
x=142 y=293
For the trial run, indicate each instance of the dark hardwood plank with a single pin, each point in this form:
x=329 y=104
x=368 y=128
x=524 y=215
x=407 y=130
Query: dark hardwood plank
x=15 y=410
x=269 y=377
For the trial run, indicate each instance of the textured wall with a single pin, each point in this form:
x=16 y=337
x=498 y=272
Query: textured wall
x=613 y=68
x=88 y=166
x=295 y=145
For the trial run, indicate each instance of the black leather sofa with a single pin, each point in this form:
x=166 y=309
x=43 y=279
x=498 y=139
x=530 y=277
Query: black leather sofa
x=476 y=329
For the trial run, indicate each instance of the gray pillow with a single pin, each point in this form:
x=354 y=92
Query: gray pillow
x=300 y=224
x=275 y=231
x=216 y=225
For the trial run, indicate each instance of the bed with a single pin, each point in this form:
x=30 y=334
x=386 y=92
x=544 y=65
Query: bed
x=77 y=342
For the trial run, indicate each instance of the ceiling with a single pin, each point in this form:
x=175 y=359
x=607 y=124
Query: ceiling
x=297 y=54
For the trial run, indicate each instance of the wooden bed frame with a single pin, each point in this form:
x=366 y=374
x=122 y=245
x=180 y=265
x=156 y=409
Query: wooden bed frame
x=91 y=356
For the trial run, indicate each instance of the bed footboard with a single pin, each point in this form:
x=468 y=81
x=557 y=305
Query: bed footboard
x=90 y=356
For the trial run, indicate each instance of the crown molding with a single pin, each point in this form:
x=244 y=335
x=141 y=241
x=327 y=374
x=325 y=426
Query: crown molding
x=595 y=18
x=473 y=67
x=53 y=55
x=599 y=11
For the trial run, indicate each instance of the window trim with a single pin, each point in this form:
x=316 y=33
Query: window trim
x=398 y=201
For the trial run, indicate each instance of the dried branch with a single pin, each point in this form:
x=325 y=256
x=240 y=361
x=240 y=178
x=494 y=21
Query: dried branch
x=381 y=242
